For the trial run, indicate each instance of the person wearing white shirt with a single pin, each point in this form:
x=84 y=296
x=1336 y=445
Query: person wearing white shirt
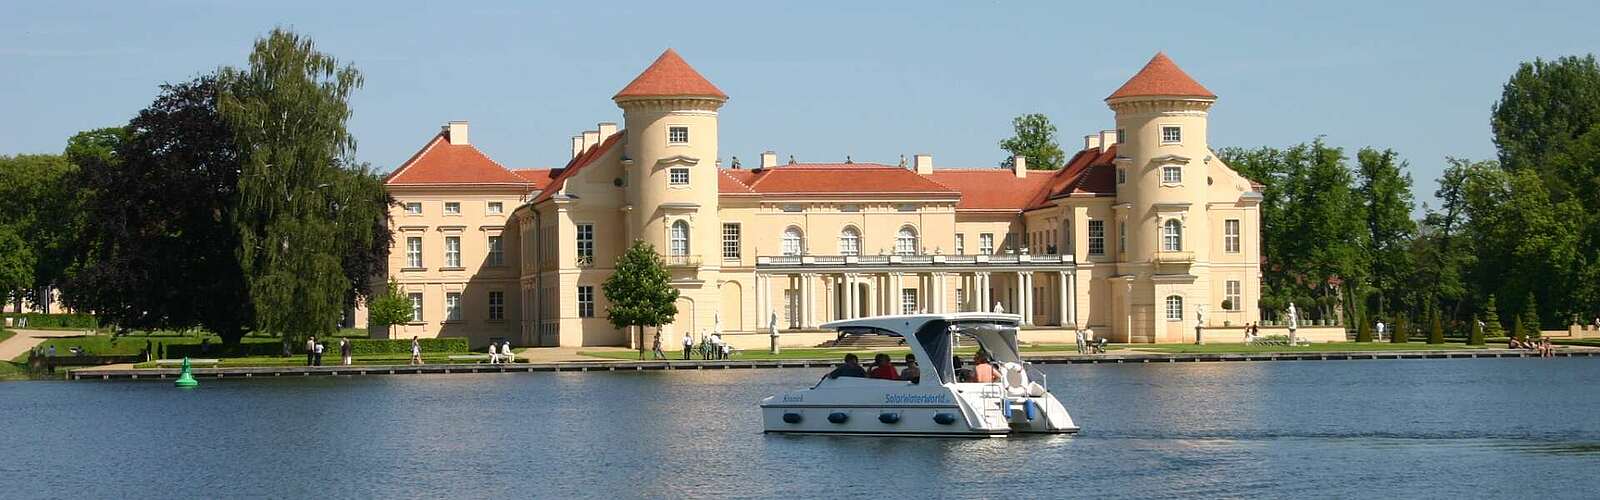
x=688 y=342
x=494 y=354
x=506 y=356
x=716 y=345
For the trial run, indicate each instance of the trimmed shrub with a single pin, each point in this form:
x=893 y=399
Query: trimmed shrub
x=1364 y=334
x=1491 y=319
x=1476 y=337
x=40 y=320
x=1402 y=331
x=1436 y=335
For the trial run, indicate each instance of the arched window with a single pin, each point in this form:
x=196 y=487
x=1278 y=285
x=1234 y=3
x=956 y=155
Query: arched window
x=849 y=241
x=794 y=241
x=678 y=239
x=1174 y=308
x=1172 y=236
x=905 y=242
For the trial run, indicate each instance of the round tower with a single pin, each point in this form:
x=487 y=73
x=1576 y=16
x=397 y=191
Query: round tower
x=1161 y=124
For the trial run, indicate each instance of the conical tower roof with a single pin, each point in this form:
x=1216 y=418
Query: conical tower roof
x=1161 y=77
x=670 y=76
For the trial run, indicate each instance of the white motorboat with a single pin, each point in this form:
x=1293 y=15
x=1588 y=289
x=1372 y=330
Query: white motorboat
x=942 y=402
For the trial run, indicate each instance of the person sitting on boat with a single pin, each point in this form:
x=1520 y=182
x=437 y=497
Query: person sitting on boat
x=962 y=374
x=883 y=367
x=984 y=372
x=850 y=368
x=911 y=373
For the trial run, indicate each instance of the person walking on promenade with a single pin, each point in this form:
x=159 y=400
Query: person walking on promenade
x=311 y=350
x=318 y=358
x=1080 y=340
x=416 y=351
x=506 y=356
x=494 y=353
x=344 y=351
x=655 y=347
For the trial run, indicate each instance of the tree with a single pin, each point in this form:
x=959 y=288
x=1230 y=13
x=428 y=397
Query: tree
x=1476 y=337
x=639 y=292
x=1385 y=195
x=1364 y=332
x=1035 y=140
x=1491 y=319
x=1530 y=317
x=39 y=209
x=16 y=261
x=1436 y=333
x=1402 y=331
x=287 y=110
x=1543 y=107
x=389 y=308
x=158 y=246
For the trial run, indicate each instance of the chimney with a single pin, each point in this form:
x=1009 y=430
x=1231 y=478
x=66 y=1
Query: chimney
x=1108 y=138
x=590 y=138
x=1019 y=166
x=577 y=145
x=1091 y=141
x=457 y=130
x=769 y=159
x=922 y=163
x=606 y=129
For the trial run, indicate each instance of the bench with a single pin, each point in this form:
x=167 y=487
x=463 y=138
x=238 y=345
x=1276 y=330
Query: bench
x=163 y=363
x=476 y=358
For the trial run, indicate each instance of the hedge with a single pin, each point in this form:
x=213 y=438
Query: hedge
x=86 y=321
x=358 y=347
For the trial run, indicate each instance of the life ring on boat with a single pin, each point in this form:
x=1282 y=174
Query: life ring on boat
x=791 y=418
x=838 y=417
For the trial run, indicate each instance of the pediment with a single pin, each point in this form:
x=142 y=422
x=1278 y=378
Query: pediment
x=1171 y=159
x=677 y=160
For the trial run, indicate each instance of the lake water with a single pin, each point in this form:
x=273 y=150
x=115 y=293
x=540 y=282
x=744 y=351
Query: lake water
x=1519 y=428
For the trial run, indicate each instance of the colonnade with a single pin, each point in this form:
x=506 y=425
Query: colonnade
x=807 y=299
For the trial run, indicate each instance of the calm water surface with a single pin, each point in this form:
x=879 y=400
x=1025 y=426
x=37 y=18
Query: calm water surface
x=1518 y=428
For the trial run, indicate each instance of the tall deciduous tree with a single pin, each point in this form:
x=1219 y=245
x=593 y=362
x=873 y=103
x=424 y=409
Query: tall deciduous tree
x=158 y=249
x=288 y=110
x=639 y=292
x=1385 y=197
x=1034 y=139
x=40 y=209
x=389 y=307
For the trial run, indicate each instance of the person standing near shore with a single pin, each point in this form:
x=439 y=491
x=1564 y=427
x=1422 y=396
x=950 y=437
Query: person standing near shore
x=688 y=342
x=311 y=350
x=344 y=351
x=416 y=351
x=319 y=347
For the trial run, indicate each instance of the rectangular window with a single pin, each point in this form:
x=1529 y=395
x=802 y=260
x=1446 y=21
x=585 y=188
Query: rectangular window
x=452 y=251
x=1172 y=174
x=585 y=244
x=791 y=307
x=986 y=243
x=678 y=177
x=1230 y=236
x=961 y=244
x=1097 y=237
x=677 y=135
x=1122 y=176
x=496 y=207
x=497 y=305
x=730 y=242
x=1171 y=134
x=1122 y=237
x=452 y=306
x=413 y=208
x=1174 y=308
x=585 y=301
x=414 y=252
x=497 y=252
x=908 y=301
x=452 y=208
x=1121 y=134
x=1232 y=295
x=416 y=307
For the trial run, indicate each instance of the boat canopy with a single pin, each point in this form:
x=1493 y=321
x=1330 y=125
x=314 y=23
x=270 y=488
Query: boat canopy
x=996 y=333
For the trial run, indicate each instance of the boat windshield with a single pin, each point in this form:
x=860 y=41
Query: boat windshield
x=999 y=340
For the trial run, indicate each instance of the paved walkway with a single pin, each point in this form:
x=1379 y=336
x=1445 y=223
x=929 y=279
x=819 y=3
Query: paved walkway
x=559 y=354
x=27 y=339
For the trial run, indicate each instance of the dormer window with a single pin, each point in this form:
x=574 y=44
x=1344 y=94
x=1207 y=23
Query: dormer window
x=1171 y=134
x=678 y=177
x=677 y=135
x=1171 y=175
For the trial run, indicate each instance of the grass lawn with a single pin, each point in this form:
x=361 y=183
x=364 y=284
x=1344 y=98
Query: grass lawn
x=1319 y=347
x=1576 y=342
x=327 y=360
x=105 y=344
x=6 y=334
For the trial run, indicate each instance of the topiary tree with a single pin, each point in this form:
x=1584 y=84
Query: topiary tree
x=640 y=292
x=1491 y=320
x=1364 y=332
x=1530 y=318
x=389 y=308
x=1437 y=334
x=1402 y=331
x=1517 y=331
x=1476 y=337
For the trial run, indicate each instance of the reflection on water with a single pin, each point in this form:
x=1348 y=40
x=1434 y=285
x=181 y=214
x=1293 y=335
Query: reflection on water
x=1281 y=429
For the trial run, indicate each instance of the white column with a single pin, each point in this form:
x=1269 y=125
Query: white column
x=984 y=301
x=761 y=301
x=1065 y=300
x=1017 y=297
x=852 y=299
x=940 y=295
x=807 y=306
x=896 y=303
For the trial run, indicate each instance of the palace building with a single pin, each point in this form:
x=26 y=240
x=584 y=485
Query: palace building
x=1140 y=231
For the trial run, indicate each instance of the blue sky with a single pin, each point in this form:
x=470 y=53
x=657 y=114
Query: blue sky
x=819 y=80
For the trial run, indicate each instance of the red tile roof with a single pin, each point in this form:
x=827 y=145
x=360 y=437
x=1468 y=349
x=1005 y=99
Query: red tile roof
x=1090 y=172
x=1161 y=77
x=440 y=162
x=538 y=177
x=831 y=178
x=670 y=76
x=577 y=164
x=993 y=188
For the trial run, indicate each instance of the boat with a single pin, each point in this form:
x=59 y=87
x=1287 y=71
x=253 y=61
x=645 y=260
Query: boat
x=943 y=402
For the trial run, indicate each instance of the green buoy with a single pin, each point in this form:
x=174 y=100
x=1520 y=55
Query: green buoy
x=185 y=379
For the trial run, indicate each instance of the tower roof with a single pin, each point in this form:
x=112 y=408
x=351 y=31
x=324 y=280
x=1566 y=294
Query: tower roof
x=1161 y=77
x=670 y=76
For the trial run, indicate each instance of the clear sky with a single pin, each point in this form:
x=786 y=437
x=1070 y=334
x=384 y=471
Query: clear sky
x=818 y=80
